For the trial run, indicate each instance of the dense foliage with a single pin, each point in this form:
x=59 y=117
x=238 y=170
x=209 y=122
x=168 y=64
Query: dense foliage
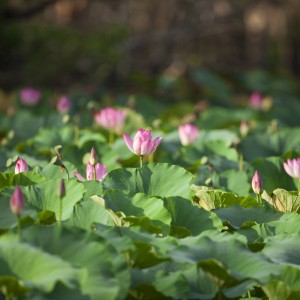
x=185 y=225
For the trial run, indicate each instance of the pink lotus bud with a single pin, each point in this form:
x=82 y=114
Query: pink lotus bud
x=110 y=118
x=257 y=183
x=142 y=143
x=61 y=189
x=244 y=128
x=17 y=201
x=30 y=96
x=100 y=172
x=255 y=100
x=292 y=167
x=63 y=105
x=93 y=157
x=21 y=166
x=90 y=171
x=79 y=177
x=188 y=133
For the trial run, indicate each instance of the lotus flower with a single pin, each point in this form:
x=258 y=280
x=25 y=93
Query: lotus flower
x=188 y=133
x=94 y=171
x=244 y=128
x=255 y=100
x=142 y=143
x=17 y=201
x=63 y=105
x=257 y=183
x=110 y=118
x=292 y=167
x=21 y=166
x=30 y=96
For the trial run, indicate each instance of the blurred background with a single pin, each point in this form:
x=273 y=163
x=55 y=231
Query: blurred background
x=145 y=45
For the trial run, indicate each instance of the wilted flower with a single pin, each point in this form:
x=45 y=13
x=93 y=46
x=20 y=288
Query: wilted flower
x=188 y=133
x=17 y=201
x=256 y=100
x=142 y=143
x=110 y=118
x=257 y=183
x=21 y=166
x=30 y=96
x=292 y=167
x=63 y=105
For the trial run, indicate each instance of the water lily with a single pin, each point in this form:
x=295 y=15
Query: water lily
x=30 y=96
x=21 y=166
x=188 y=133
x=64 y=105
x=142 y=143
x=257 y=183
x=17 y=201
x=292 y=167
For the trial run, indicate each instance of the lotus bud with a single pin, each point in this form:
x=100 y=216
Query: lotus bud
x=61 y=189
x=257 y=183
x=63 y=105
x=30 y=96
x=17 y=201
x=90 y=171
x=188 y=133
x=21 y=166
x=244 y=128
x=255 y=100
x=93 y=157
x=100 y=172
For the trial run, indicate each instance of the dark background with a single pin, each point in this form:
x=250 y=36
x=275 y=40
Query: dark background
x=130 y=43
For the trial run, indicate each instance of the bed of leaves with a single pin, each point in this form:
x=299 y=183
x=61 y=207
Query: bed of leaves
x=187 y=226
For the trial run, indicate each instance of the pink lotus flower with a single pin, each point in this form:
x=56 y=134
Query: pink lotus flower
x=292 y=167
x=21 y=166
x=63 y=105
x=94 y=171
x=142 y=143
x=30 y=96
x=257 y=183
x=255 y=100
x=110 y=118
x=188 y=133
x=17 y=201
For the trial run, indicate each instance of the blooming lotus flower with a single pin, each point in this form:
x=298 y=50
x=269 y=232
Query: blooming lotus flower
x=292 y=167
x=63 y=105
x=17 y=201
x=97 y=172
x=142 y=143
x=257 y=183
x=188 y=133
x=255 y=100
x=110 y=118
x=30 y=96
x=21 y=166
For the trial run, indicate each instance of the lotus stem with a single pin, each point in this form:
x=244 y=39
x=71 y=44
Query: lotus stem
x=19 y=227
x=150 y=158
x=111 y=137
x=141 y=160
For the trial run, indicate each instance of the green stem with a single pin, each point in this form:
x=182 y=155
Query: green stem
x=19 y=227
x=259 y=199
x=111 y=137
x=249 y=294
x=241 y=163
x=299 y=186
x=150 y=158
x=141 y=160
x=76 y=134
